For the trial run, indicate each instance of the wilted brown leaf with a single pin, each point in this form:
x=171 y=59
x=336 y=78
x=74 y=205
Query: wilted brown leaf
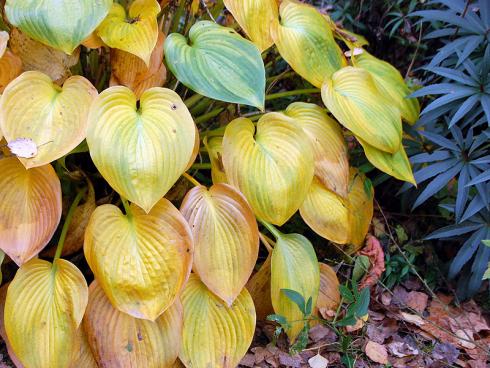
x=376 y=352
x=259 y=287
x=374 y=251
x=10 y=68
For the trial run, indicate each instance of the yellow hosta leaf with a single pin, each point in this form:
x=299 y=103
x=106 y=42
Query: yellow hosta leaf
x=37 y=56
x=329 y=294
x=391 y=84
x=140 y=260
x=10 y=68
x=295 y=267
x=215 y=335
x=353 y=98
x=59 y=24
x=327 y=140
x=271 y=165
x=3 y=334
x=351 y=39
x=226 y=238
x=130 y=71
x=4 y=38
x=395 y=164
x=141 y=152
x=214 y=146
x=54 y=118
x=304 y=39
x=259 y=287
x=256 y=18
x=120 y=341
x=83 y=357
x=30 y=204
x=43 y=310
x=135 y=32
x=340 y=220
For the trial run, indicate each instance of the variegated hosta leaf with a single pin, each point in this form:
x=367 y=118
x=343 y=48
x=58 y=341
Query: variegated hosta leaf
x=135 y=32
x=43 y=310
x=306 y=42
x=391 y=84
x=10 y=68
x=259 y=287
x=130 y=71
x=295 y=267
x=215 y=335
x=140 y=260
x=353 y=98
x=256 y=18
x=271 y=165
x=218 y=63
x=141 y=152
x=214 y=146
x=226 y=238
x=329 y=294
x=340 y=220
x=120 y=341
x=327 y=141
x=59 y=24
x=30 y=204
x=54 y=118
x=394 y=164
x=4 y=38
x=40 y=57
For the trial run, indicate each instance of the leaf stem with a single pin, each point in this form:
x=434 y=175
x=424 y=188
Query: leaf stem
x=191 y=179
x=200 y=166
x=271 y=228
x=66 y=225
x=266 y=243
x=127 y=207
x=205 y=117
x=296 y=92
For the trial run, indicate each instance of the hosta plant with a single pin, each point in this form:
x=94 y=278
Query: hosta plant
x=147 y=133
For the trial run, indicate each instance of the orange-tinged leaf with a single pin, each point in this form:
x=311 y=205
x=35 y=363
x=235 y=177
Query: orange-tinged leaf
x=141 y=151
x=119 y=340
x=3 y=334
x=353 y=98
x=215 y=335
x=226 y=238
x=294 y=266
x=259 y=287
x=44 y=307
x=256 y=18
x=10 y=68
x=140 y=260
x=327 y=140
x=340 y=220
x=329 y=294
x=30 y=204
x=214 y=146
x=93 y=41
x=4 y=38
x=304 y=39
x=130 y=71
x=54 y=118
x=37 y=56
x=272 y=165
x=135 y=32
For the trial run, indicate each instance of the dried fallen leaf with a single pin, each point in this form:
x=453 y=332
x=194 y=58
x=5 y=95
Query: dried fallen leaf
x=412 y=318
x=318 y=362
x=376 y=255
x=23 y=147
x=376 y=352
x=417 y=301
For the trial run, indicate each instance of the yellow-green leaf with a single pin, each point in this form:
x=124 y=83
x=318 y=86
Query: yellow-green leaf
x=43 y=310
x=55 y=118
x=218 y=63
x=395 y=164
x=256 y=18
x=120 y=341
x=327 y=141
x=59 y=24
x=135 y=32
x=391 y=84
x=214 y=146
x=226 y=238
x=272 y=165
x=40 y=57
x=140 y=260
x=353 y=98
x=340 y=220
x=294 y=267
x=141 y=152
x=215 y=335
x=30 y=204
x=304 y=39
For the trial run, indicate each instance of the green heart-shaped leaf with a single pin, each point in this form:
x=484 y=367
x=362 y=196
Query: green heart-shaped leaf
x=218 y=63
x=59 y=24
